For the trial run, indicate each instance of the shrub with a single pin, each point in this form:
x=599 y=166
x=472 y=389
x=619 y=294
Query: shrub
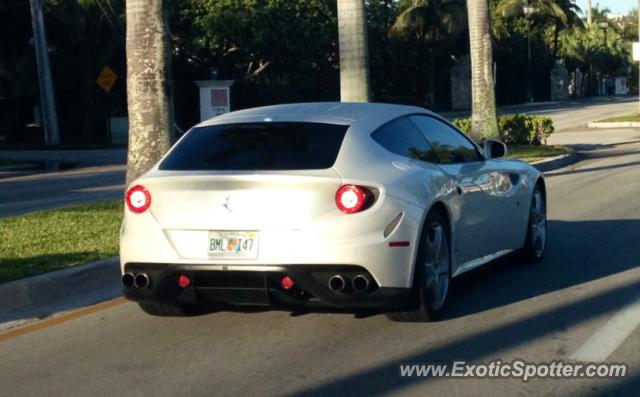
x=540 y=129
x=463 y=125
x=514 y=129
x=517 y=129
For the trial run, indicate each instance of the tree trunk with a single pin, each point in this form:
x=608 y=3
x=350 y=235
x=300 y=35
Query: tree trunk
x=148 y=85
x=484 y=124
x=354 y=54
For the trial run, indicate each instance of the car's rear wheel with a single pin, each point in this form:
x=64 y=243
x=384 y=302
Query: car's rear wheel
x=432 y=275
x=536 y=241
x=167 y=310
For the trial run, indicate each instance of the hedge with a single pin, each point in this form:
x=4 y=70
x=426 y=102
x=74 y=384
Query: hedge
x=517 y=129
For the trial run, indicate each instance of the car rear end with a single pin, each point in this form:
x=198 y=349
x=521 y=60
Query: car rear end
x=255 y=213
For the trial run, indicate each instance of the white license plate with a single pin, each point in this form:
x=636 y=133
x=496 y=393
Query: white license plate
x=233 y=244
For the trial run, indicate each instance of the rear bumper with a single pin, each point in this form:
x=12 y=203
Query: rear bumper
x=260 y=286
x=331 y=239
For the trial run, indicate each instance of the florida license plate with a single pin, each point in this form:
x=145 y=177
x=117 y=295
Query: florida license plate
x=233 y=244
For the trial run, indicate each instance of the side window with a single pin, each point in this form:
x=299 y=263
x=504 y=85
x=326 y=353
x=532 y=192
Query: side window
x=449 y=145
x=402 y=137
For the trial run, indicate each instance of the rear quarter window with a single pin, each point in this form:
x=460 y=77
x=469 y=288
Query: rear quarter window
x=257 y=146
x=402 y=137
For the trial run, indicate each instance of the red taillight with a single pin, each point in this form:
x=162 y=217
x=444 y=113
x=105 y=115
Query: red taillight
x=351 y=199
x=184 y=281
x=138 y=199
x=286 y=283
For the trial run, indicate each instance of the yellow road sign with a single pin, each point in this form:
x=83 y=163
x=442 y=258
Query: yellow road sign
x=107 y=78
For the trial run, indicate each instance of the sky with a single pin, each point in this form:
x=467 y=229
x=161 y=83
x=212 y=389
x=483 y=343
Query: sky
x=616 y=6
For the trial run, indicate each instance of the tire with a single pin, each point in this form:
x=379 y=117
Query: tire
x=432 y=274
x=536 y=240
x=166 y=310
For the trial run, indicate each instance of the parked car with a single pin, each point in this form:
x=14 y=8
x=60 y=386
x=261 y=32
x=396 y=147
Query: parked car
x=346 y=205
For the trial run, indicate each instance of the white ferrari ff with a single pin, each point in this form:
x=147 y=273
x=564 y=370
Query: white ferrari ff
x=346 y=205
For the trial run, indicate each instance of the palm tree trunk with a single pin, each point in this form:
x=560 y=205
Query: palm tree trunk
x=354 y=54
x=484 y=122
x=148 y=85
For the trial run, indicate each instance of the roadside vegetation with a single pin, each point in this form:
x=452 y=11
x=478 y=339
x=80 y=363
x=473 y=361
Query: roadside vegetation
x=517 y=129
x=525 y=136
x=633 y=117
x=50 y=240
x=531 y=153
x=281 y=51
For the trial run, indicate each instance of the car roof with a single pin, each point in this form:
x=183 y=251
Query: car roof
x=343 y=113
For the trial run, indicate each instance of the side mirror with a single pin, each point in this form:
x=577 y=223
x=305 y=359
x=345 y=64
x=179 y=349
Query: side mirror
x=494 y=149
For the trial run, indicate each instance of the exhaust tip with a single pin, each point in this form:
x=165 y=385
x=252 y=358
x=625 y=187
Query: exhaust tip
x=360 y=283
x=141 y=281
x=337 y=283
x=127 y=280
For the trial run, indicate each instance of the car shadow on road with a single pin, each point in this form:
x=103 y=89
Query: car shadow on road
x=628 y=387
x=589 y=152
x=577 y=252
x=575 y=170
x=480 y=346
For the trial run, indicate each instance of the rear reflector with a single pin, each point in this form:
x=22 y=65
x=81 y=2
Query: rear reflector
x=138 y=199
x=184 y=281
x=399 y=243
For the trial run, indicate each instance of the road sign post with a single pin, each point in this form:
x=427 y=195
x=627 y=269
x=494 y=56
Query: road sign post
x=106 y=79
x=47 y=97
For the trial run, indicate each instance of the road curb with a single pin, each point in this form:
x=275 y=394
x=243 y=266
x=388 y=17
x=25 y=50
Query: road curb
x=554 y=163
x=59 y=284
x=616 y=124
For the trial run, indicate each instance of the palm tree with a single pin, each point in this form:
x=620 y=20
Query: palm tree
x=484 y=122
x=148 y=84
x=571 y=11
x=530 y=9
x=354 y=53
x=429 y=22
x=544 y=8
x=600 y=14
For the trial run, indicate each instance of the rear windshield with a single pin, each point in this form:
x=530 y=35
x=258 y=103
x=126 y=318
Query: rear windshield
x=257 y=146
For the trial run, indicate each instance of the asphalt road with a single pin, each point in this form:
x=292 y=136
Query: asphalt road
x=104 y=180
x=572 y=115
x=584 y=298
x=22 y=194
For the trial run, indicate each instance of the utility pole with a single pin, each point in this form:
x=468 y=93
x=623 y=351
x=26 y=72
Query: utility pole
x=589 y=13
x=47 y=98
